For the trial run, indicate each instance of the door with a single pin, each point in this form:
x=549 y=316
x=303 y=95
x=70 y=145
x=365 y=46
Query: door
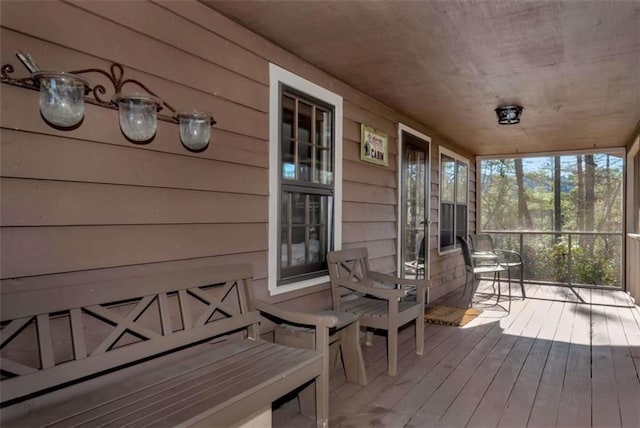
x=414 y=204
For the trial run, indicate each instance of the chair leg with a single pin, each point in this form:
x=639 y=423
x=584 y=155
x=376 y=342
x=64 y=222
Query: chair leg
x=524 y=295
x=392 y=351
x=509 y=279
x=420 y=335
x=369 y=338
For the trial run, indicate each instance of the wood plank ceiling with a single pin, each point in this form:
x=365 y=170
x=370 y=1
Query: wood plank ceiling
x=573 y=65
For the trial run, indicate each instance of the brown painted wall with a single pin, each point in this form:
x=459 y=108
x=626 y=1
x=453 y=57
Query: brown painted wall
x=86 y=204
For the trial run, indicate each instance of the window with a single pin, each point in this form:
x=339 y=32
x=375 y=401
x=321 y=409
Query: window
x=454 y=189
x=305 y=193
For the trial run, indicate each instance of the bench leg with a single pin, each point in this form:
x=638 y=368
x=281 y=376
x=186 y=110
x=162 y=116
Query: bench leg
x=352 y=359
x=261 y=419
x=307 y=400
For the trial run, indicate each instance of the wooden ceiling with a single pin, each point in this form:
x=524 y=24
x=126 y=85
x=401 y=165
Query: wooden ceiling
x=573 y=65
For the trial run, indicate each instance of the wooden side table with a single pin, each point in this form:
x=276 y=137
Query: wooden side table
x=346 y=334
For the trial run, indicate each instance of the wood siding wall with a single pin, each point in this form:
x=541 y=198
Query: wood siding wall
x=86 y=205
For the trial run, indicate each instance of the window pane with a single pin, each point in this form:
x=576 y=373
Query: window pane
x=446 y=225
x=447 y=179
x=288 y=143
x=461 y=221
x=304 y=122
x=304 y=162
x=323 y=128
x=461 y=184
x=324 y=166
x=305 y=240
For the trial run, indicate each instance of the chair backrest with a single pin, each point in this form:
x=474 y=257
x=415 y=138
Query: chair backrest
x=481 y=242
x=466 y=253
x=351 y=264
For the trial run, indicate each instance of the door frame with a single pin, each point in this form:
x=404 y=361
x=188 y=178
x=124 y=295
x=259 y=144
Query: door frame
x=427 y=241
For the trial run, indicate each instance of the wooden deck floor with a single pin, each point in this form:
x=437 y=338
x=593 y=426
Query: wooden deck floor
x=562 y=357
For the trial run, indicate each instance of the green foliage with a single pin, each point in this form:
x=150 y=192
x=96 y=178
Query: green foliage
x=553 y=263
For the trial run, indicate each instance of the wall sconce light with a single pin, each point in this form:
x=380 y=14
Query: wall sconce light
x=63 y=94
x=61 y=97
x=195 y=129
x=138 y=115
x=509 y=115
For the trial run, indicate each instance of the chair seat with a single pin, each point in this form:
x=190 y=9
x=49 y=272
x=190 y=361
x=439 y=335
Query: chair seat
x=370 y=307
x=490 y=269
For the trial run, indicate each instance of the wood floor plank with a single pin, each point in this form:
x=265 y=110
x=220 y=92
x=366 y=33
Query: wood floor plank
x=464 y=405
x=605 y=410
x=622 y=342
x=494 y=402
x=563 y=357
x=420 y=382
x=576 y=390
x=437 y=404
x=352 y=398
x=520 y=401
x=544 y=412
x=364 y=406
x=375 y=359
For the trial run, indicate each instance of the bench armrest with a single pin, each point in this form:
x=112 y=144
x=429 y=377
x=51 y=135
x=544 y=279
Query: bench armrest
x=317 y=320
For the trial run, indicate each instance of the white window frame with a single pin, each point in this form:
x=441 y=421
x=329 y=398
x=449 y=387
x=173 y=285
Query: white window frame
x=459 y=158
x=277 y=77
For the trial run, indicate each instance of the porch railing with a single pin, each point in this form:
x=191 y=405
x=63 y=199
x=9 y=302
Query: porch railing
x=572 y=258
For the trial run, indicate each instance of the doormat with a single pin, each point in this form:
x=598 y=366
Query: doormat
x=449 y=315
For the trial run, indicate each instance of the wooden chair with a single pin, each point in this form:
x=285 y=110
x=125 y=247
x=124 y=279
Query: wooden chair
x=382 y=301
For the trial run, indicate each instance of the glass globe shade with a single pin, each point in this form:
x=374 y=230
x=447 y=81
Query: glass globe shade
x=138 y=115
x=195 y=129
x=61 y=97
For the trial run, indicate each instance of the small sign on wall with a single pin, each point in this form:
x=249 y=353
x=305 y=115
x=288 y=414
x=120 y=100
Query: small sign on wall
x=373 y=146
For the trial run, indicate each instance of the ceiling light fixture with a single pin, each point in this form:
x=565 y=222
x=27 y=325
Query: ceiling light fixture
x=509 y=115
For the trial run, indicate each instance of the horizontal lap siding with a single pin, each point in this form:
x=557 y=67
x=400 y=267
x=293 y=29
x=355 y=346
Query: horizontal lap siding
x=86 y=204
x=75 y=202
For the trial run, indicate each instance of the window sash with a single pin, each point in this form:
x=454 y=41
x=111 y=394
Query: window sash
x=306 y=165
x=454 y=195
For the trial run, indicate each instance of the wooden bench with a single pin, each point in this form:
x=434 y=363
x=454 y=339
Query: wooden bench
x=139 y=352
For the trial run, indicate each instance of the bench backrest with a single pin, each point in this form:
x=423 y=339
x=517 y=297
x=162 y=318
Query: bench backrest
x=52 y=337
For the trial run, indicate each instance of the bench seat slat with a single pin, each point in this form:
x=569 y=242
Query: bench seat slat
x=191 y=390
x=152 y=387
x=188 y=401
